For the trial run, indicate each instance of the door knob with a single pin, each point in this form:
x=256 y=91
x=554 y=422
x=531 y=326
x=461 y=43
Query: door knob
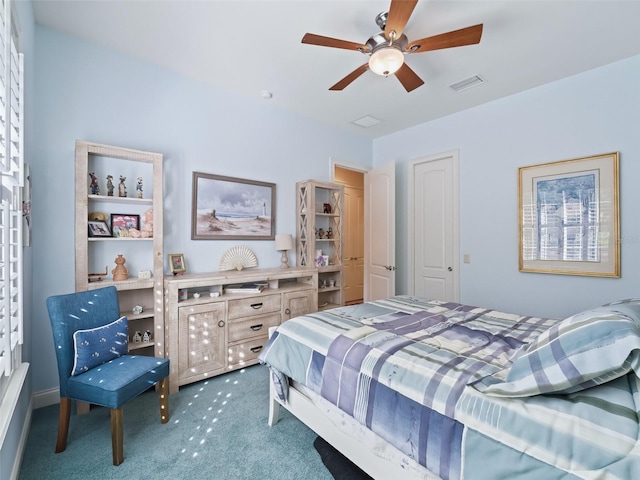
x=450 y=269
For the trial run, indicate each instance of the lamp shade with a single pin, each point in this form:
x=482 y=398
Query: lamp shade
x=386 y=60
x=284 y=241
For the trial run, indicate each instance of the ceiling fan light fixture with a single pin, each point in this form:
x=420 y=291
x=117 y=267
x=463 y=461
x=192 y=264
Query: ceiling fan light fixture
x=386 y=60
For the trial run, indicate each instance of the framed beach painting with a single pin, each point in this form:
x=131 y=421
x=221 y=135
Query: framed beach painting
x=228 y=208
x=569 y=217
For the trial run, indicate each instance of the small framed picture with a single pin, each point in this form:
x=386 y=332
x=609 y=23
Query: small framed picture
x=322 y=261
x=121 y=223
x=98 y=228
x=176 y=260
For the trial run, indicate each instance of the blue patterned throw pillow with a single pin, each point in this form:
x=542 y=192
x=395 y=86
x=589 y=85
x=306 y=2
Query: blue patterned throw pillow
x=95 y=346
x=585 y=350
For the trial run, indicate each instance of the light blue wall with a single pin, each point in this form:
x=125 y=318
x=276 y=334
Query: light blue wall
x=90 y=93
x=591 y=113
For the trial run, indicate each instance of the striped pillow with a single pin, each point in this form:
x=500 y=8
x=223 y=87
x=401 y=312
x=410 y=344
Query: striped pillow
x=581 y=351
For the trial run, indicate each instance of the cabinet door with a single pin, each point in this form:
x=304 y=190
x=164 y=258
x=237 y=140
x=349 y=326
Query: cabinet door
x=298 y=303
x=202 y=339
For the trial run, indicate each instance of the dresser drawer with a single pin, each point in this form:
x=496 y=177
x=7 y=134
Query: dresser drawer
x=252 y=327
x=246 y=307
x=246 y=352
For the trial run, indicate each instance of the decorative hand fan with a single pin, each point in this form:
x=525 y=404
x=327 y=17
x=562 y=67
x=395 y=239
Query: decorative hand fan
x=237 y=258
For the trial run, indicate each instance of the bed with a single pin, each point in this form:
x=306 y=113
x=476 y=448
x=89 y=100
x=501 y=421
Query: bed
x=421 y=389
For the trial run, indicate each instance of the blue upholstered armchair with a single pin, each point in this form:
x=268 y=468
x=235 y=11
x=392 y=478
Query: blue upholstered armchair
x=91 y=343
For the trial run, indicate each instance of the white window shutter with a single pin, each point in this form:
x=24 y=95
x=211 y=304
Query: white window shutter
x=12 y=175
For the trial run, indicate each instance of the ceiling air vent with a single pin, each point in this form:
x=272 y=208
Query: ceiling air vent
x=366 y=121
x=467 y=83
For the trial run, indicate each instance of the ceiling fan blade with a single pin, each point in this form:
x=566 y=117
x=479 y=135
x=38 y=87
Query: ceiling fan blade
x=313 y=39
x=399 y=13
x=408 y=78
x=351 y=77
x=456 y=38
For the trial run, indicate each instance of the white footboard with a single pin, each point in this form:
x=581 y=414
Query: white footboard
x=309 y=413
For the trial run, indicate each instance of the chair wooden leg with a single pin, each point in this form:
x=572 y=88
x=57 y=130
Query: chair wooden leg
x=163 y=395
x=63 y=424
x=117 y=446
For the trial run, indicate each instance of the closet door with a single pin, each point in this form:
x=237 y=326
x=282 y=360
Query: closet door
x=353 y=245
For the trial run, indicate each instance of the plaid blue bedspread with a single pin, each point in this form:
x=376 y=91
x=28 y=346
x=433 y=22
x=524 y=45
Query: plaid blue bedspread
x=403 y=367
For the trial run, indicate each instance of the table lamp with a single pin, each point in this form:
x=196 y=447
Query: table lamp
x=284 y=242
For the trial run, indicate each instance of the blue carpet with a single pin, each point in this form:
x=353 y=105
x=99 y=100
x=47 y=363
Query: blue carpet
x=218 y=430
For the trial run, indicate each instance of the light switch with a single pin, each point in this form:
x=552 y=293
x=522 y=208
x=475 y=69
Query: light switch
x=466 y=258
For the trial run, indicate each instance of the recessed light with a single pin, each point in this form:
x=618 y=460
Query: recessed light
x=366 y=121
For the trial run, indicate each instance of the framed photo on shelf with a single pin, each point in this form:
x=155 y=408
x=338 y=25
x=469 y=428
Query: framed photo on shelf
x=98 y=228
x=122 y=223
x=227 y=208
x=569 y=217
x=176 y=261
x=322 y=261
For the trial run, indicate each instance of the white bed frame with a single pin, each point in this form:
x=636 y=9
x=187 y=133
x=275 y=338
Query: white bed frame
x=302 y=406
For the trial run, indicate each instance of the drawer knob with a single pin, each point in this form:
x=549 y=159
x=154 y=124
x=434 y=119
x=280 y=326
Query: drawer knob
x=287 y=311
x=255 y=328
x=256 y=349
x=221 y=323
x=256 y=306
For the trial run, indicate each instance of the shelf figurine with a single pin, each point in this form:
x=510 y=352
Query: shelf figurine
x=110 y=185
x=120 y=272
x=122 y=188
x=146 y=338
x=147 y=224
x=137 y=338
x=95 y=188
x=139 y=187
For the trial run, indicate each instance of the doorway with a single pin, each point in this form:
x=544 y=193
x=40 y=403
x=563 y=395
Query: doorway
x=353 y=232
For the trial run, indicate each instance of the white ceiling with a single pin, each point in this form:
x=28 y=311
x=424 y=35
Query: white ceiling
x=251 y=46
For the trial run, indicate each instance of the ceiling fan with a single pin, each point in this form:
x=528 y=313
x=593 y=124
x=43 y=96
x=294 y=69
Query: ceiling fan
x=387 y=49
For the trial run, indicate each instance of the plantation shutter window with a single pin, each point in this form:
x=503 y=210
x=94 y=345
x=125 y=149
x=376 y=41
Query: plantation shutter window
x=12 y=174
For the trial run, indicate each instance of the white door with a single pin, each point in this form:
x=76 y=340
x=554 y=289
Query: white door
x=379 y=236
x=434 y=218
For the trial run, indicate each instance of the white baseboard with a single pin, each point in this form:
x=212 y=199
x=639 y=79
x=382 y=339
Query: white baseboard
x=46 y=398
